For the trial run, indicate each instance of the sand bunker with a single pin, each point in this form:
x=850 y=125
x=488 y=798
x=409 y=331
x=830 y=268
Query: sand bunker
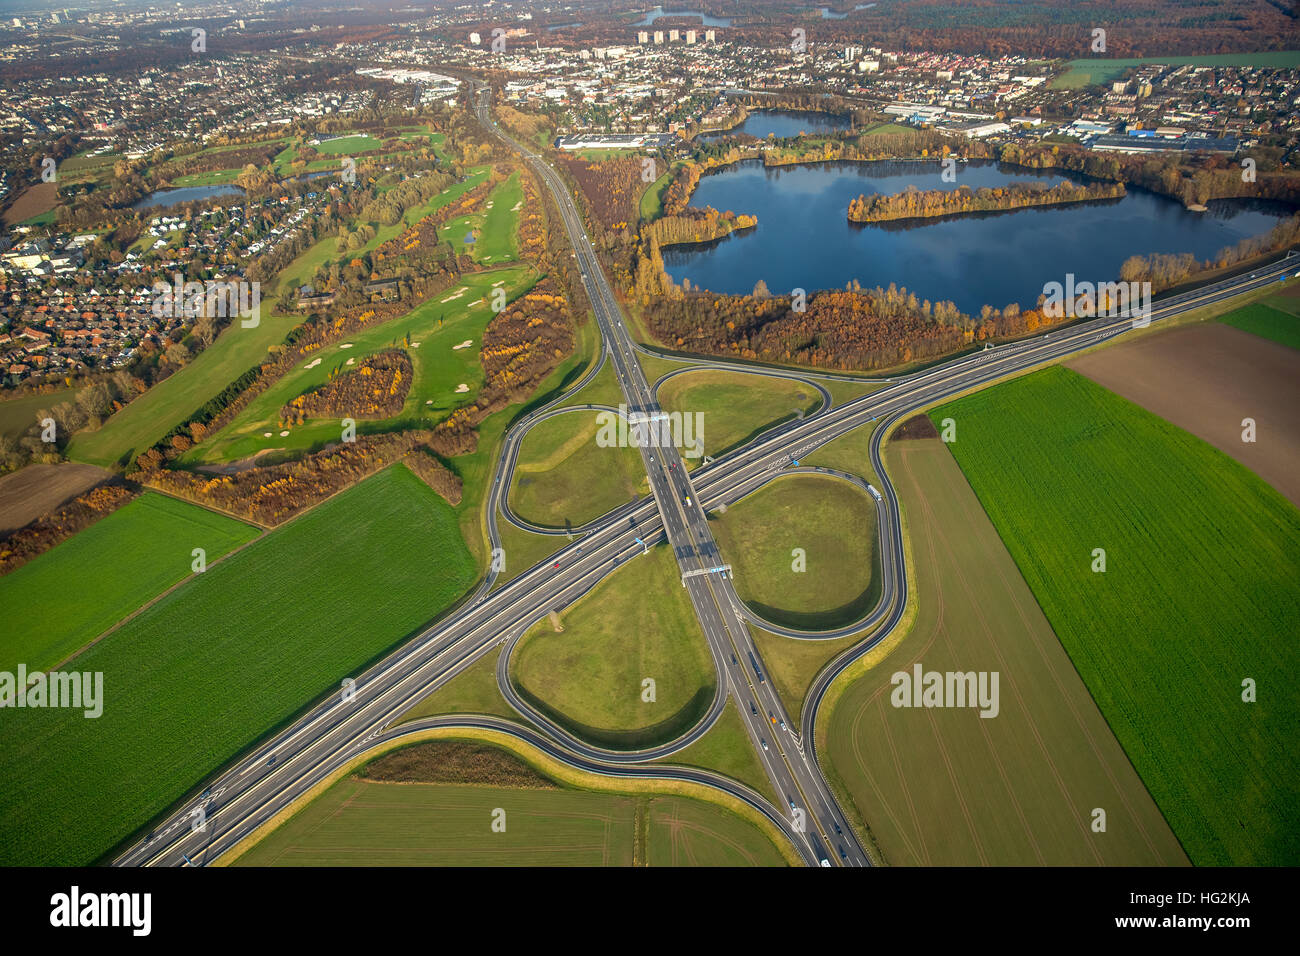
x=515 y=207
x=462 y=387
x=346 y=345
x=266 y=434
x=456 y=295
x=313 y=363
x=463 y=345
x=284 y=434
x=349 y=361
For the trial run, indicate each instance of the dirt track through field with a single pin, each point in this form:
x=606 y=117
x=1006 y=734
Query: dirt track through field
x=1206 y=379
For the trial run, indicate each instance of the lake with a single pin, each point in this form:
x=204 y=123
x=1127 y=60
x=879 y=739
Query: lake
x=782 y=124
x=706 y=20
x=804 y=239
x=172 y=197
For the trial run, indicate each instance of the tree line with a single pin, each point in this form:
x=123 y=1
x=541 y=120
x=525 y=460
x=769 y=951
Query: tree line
x=913 y=203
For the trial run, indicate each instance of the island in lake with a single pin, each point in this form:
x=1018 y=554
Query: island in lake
x=913 y=203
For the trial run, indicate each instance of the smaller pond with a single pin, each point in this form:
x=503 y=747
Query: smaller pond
x=659 y=12
x=173 y=197
x=783 y=123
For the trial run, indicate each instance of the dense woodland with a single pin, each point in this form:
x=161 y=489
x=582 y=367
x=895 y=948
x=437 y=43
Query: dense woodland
x=375 y=389
x=1191 y=179
x=913 y=203
x=272 y=495
x=853 y=329
x=611 y=187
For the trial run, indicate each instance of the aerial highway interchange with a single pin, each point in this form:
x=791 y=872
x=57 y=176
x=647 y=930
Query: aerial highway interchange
x=278 y=773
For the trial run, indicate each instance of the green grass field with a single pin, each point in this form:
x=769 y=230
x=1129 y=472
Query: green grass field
x=523 y=549
x=19 y=414
x=439 y=369
x=834 y=581
x=886 y=129
x=1091 y=71
x=84 y=166
x=1267 y=322
x=213 y=177
x=72 y=593
x=653 y=366
x=564 y=478
x=601 y=390
x=692 y=833
x=651 y=205
x=494 y=227
x=343 y=146
x=358 y=822
x=473 y=177
x=135 y=429
x=346 y=145
x=1201 y=591
x=735 y=406
x=221 y=660
x=299 y=272
x=636 y=624
x=364 y=823
x=944 y=786
x=472 y=691
x=850 y=453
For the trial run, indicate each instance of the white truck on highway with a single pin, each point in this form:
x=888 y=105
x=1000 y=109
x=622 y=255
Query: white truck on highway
x=874 y=493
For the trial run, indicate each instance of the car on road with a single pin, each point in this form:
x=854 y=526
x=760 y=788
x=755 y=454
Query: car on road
x=763 y=742
x=753 y=708
x=770 y=717
x=556 y=564
x=843 y=855
x=792 y=806
x=838 y=831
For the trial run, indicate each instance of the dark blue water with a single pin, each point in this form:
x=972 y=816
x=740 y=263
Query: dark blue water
x=804 y=239
x=784 y=123
x=707 y=21
x=171 y=197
